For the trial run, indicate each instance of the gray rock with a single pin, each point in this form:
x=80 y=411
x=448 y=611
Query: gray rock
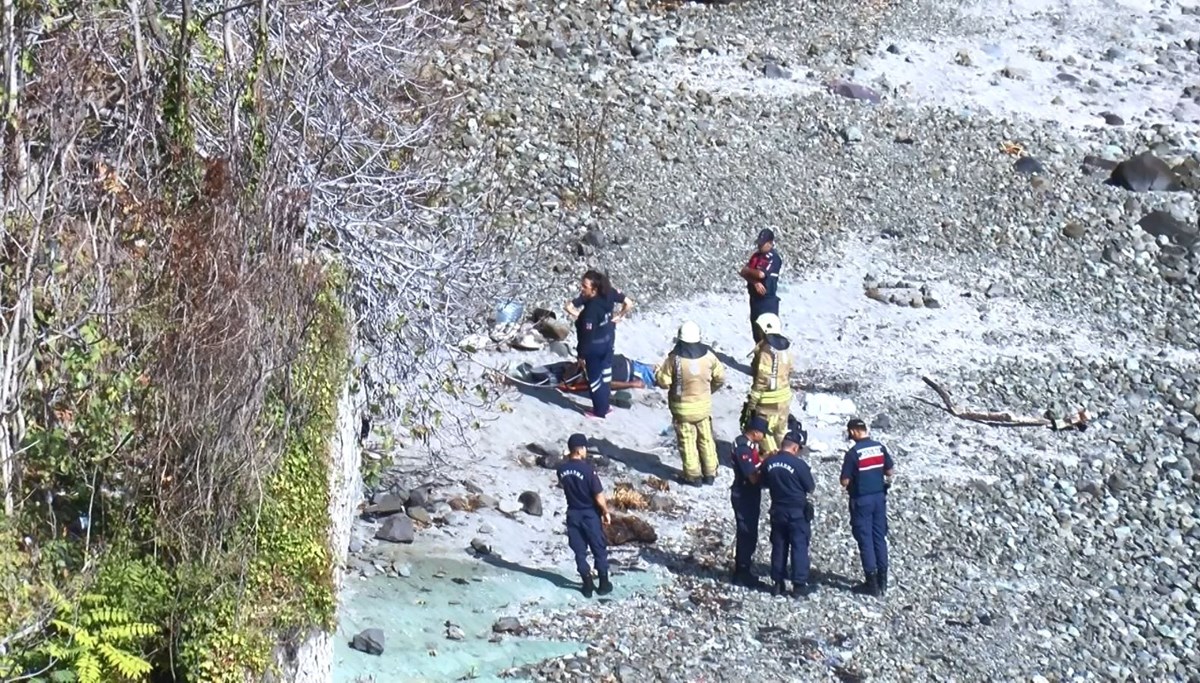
x=549 y=456
x=882 y=422
x=419 y=496
x=660 y=502
x=852 y=134
x=508 y=625
x=773 y=70
x=531 y=503
x=1145 y=173
x=481 y=546
x=387 y=503
x=396 y=529
x=370 y=641
x=454 y=632
x=1028 y=166
x=1118 y=482
x=854 y=91
x=419 y=514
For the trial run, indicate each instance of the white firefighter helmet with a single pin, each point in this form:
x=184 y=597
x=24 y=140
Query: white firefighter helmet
x=769 y=323
x=689 y=332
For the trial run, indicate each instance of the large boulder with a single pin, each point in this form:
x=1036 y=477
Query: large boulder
x=1145 y=173
x=369 y=641
x=396 y=529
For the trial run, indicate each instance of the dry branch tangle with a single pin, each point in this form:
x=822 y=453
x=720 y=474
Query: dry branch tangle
x=1005 y=419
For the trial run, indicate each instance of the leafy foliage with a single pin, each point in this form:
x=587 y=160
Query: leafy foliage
x=174 y=351
x=91 y=640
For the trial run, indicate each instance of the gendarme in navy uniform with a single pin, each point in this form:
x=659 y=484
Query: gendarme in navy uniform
x=790 y=481
x=746 y=497
x=866 y=475
x=586 y=508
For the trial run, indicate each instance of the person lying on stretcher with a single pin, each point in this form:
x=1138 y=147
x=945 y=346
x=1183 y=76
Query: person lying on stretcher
x=570 y=375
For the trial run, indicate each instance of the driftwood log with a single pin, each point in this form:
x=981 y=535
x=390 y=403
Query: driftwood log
x=1077 y=421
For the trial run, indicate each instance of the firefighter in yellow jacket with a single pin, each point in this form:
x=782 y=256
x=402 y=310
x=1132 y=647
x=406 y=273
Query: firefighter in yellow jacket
x=771 y=391
x=690 y=373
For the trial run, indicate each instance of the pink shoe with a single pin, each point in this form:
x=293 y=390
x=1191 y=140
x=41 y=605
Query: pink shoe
x=593 y=415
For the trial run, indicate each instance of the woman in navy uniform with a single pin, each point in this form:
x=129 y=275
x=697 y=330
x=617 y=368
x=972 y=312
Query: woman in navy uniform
x=595 y=329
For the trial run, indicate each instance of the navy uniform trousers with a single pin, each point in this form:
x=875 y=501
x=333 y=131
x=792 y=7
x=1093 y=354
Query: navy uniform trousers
x=583 y=533
x=868 y=523
x=747 y=507
x=769 y=304
x=599 y=371
x=790 y=535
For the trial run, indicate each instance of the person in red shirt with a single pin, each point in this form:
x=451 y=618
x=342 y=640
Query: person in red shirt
x=762 y=280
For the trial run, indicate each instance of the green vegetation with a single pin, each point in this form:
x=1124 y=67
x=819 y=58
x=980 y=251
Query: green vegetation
x=171 y=356
x=123 y=611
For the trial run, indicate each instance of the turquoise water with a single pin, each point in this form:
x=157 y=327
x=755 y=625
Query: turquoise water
x=412 y=612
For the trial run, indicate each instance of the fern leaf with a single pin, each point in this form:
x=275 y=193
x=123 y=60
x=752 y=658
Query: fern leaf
x=107 y=615
x=88 y=668
x=86 y=640
x=61 y=605
x=126 y=633
x=65 y=627
x=127 y=664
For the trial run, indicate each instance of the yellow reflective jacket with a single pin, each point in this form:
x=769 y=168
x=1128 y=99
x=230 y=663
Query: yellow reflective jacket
x=690 y=373
x=772 y=367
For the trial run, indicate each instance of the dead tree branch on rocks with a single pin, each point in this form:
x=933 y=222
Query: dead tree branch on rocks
x=1003 y=419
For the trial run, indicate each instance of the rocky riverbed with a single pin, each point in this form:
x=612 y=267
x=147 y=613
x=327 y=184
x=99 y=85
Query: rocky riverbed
x=960 y=227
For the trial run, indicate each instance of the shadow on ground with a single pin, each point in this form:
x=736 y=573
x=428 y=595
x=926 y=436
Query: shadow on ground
x=551 y=396
x=555 y=578
x=646 y=463
x=690 y=566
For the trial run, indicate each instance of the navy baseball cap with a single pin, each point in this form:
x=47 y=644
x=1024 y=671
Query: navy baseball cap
x=577 y=441
x=856 y=423
x=758 y=423
x=795 y=437
x=766 y=235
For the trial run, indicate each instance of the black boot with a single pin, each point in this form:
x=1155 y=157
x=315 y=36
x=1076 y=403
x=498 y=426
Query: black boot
x=588 y=587
x=709 y=481
x=870 y=586
x=777 y=588
x=801 y=590
x=745 y=578
x=605 y=586
x=882 y=580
